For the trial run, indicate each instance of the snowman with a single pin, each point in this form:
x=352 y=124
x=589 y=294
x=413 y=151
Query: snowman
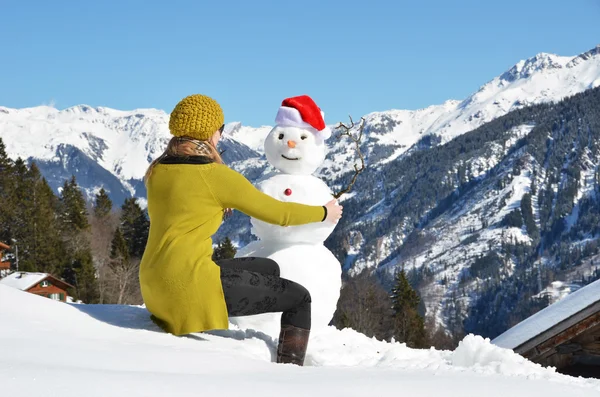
x=295 y=147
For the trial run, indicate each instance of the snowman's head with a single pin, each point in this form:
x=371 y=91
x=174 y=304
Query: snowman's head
x=296 y=145
x=294 y=150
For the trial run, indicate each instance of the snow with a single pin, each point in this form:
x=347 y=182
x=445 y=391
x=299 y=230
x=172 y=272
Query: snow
x=585 y=188
x=110 y=350
x=23 y=281
x=303 y=158
x=143 y=203
x=557 y=290
x=550 y=316
x=454 y=240
x=298 y=250
x=120 y=141
x=474 y=351
x=311 y=265
x=542 y=78
x=305 y=189
x=124 y=142
x=254 y=138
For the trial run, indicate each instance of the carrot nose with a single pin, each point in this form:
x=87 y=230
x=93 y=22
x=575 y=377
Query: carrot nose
x=292 y=144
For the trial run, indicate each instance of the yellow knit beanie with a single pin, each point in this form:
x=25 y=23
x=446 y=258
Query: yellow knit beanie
x=196 y=116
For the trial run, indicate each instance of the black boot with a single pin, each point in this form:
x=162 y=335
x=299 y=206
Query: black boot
x=293 y=342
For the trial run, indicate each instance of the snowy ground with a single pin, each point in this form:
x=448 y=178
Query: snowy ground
x=59 y=349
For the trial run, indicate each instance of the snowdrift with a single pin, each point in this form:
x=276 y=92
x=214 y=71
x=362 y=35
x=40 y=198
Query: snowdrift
x=60 y=349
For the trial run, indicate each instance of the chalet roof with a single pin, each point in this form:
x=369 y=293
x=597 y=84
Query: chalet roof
x=571 y=309
x=4 y=246
x=24 y=280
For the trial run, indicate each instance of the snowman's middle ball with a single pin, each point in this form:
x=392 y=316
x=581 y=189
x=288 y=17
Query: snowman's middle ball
x=294 y=150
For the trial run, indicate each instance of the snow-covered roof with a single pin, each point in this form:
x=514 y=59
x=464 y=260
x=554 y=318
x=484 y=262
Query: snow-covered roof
x=550 y=316
x=22 y=280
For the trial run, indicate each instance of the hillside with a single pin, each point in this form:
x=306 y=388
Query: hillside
x=501 y=211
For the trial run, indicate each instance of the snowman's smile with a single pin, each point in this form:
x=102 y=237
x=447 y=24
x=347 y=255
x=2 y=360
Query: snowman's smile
x=290 y=158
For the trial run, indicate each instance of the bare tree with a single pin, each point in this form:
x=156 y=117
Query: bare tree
x=356 y=139
x=438 y=337
x=100 y=239
x=124 y=278
x=365 y=306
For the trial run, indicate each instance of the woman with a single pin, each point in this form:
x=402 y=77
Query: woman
x=189 y=189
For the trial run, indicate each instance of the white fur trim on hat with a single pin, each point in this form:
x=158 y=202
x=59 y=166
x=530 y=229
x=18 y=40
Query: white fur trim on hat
x=290 y=117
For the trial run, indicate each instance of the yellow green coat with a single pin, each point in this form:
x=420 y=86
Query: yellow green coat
x=180 y=284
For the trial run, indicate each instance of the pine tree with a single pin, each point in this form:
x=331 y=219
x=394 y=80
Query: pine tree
x=5 y=162
x=408 y=324
x=48 y=248
x=21 y=218
x=83 y=276
x=78 y=268
x=6 y=188
x=403 y=294
x=119 y=249
x=527 y=211
x=225 y=250
x=102 y=205
x=135 y=227
x=513 y=219
x=73 y=211
x=28 y=216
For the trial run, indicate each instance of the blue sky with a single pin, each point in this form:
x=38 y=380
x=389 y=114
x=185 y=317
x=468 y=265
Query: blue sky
x=352 y=57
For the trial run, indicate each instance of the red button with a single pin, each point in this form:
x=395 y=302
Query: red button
x=288 y=192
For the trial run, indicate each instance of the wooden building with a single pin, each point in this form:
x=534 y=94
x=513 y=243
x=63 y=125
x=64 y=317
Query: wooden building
x=4 y=264
x=42 y=284
x=565 y=335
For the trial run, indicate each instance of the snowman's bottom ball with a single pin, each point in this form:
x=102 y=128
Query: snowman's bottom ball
x=312 y=266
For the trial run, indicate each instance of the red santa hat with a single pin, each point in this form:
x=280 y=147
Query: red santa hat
x=302 y=111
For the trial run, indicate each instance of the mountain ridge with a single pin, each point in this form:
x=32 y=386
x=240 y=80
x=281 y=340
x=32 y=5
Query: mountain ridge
x=420 y=164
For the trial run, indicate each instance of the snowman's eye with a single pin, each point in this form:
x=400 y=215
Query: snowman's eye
x=280 y=136
x=303 y=137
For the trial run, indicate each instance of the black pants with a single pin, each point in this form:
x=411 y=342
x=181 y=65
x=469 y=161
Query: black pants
x=253 y=286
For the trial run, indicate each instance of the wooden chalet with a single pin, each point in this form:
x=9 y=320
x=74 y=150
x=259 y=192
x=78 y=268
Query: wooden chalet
x=4 y=264
x=565 y=335
x=42 y=284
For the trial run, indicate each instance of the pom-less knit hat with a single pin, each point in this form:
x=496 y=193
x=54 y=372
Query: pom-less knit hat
x=197 y=116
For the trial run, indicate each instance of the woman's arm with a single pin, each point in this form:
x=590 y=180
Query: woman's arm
x=233 y=190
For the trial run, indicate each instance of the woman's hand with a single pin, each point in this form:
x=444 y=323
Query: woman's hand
x=334 y=211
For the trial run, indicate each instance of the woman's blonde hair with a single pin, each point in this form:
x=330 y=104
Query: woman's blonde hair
x=184 y=146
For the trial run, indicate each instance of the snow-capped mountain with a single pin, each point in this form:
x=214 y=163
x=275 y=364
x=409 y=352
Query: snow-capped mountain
x=124 y=142
x=543 y=78
x=249 y=136
x=102 y=147
x=410 y=209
